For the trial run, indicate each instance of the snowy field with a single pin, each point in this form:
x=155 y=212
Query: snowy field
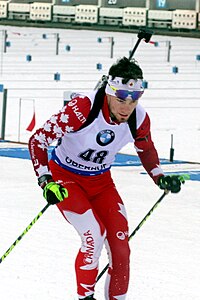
x=165 y=259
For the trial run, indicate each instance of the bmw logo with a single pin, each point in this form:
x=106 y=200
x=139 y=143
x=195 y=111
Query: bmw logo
x=105 y=137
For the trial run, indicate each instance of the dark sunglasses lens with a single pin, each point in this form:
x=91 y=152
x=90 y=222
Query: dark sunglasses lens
x=136 y=95
x=123 y=94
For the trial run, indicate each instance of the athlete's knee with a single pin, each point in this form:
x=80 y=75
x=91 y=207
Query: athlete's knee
x=92 y=233
x=92 y=244
x=122 y=255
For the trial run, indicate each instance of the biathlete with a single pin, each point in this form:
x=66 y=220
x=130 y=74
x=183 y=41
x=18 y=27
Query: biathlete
x=89 y=130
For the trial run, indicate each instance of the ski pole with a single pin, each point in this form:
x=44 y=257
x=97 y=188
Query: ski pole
x=142 y=34
x=137 y=228
x=24 y=232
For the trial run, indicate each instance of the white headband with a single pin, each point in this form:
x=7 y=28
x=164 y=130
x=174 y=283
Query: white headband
x=131 y=85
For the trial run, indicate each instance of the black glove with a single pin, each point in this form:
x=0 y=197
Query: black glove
x=53 y=192
x=171 y=183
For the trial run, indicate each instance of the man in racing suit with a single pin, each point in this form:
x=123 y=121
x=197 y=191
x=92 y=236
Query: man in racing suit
x=90 y=130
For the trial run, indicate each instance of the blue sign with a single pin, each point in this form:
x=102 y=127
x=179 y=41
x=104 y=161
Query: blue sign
x=161 y=3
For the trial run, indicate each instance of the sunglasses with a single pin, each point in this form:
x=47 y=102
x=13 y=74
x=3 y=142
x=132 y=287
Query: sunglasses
x=123 y=94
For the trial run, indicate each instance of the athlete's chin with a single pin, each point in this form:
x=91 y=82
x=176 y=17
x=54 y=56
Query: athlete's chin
x=122 y=119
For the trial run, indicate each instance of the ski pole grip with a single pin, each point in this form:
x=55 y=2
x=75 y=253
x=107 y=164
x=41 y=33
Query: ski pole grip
x=145 y=34
x=142 y=34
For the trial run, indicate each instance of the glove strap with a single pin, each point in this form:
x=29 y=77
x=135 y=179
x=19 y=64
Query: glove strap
x=44 y=179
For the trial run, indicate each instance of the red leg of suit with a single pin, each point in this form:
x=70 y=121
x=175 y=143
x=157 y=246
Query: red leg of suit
x=95 y=209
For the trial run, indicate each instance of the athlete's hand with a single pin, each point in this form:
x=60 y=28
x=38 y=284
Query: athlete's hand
x=171 y=183
x=52 y=191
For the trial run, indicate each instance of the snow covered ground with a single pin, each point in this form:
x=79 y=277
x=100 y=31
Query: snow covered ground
x=165 y=259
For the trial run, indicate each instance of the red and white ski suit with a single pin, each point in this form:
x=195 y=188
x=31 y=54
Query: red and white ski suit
x=81 y=163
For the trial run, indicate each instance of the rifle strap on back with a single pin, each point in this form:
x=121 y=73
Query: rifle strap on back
x=97 y=106
x=132 y=123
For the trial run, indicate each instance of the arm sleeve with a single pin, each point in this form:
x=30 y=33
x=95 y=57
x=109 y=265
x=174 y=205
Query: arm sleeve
x=146 y=150
x=70 y=118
